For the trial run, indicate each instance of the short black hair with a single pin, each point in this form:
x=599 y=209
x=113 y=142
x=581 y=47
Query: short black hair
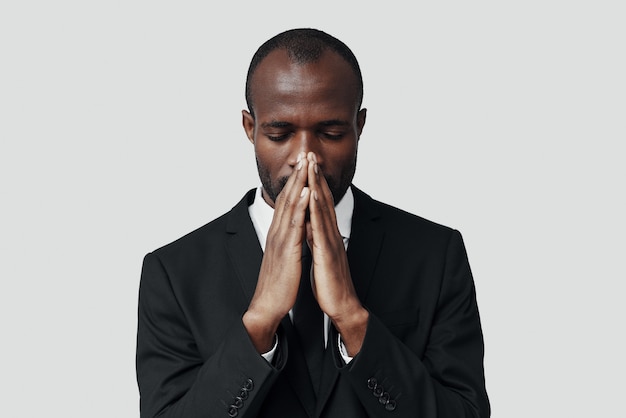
x=303 y=46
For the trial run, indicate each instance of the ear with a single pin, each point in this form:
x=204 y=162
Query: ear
x=248 y=125
x=360 y=121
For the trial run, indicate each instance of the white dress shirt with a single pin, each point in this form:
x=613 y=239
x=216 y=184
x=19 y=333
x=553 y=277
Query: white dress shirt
x=262 y=214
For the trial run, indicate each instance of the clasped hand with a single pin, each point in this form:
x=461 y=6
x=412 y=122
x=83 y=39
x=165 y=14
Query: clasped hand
x=279 y=276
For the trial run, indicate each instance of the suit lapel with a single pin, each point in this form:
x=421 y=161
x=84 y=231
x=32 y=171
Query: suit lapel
x=365 y=242
x=243 y=246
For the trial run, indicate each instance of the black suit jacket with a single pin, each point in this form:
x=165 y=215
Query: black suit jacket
x=422 y=355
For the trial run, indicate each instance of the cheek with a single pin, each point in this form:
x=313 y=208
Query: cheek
x=342 y=157
x=269 y=156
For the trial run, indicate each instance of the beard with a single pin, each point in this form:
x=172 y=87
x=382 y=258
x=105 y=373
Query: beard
x=337 y=186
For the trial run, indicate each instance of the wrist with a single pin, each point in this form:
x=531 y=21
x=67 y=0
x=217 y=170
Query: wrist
x=352 y=328
x=261 y=330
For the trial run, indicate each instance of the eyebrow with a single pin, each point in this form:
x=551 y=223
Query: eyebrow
x=334 y=122
x=276 y=124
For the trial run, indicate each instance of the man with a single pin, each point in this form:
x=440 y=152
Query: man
x=229 y=315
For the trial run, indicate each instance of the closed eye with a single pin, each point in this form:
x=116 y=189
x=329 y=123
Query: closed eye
x=277 y=138
x=333 y=129
x=276 y=131
x=333 y=136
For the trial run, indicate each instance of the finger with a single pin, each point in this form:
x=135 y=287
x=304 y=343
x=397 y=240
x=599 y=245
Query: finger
x=328 y=199
x=322 y=210
x=322 y=197
x=286 y=202
x=290 y=207
x=296 y=181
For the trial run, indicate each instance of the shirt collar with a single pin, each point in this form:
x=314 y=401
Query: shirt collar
x=344 y=210
x=261 y=214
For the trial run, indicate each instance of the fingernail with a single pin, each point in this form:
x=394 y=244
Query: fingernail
x=299 y=165
x=303 y=192
x=299 y=158
x=314 y=158
x=315 y=168
x=315 y=195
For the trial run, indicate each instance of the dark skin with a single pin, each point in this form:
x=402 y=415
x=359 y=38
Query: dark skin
x=305 y=131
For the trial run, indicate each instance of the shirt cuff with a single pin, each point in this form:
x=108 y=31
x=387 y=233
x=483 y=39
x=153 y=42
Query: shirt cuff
x=269 y=356
x=343 y=351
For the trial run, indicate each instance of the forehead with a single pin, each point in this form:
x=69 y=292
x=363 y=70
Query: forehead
x=327 y=82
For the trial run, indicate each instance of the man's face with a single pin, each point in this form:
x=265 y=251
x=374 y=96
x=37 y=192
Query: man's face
x=304 y=107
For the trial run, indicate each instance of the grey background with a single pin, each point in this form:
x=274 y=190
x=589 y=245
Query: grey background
x=120 y=131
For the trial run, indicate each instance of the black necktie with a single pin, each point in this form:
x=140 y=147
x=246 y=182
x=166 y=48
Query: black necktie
x=308 y=320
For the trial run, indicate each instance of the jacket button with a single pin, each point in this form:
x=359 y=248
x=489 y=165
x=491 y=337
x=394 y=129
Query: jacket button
x=384 y=398
x=372 y=383
x=391 y=405
x=249 y=385
x=238 y=402
x=378 y=391
x=243 y=394
x=232 y=411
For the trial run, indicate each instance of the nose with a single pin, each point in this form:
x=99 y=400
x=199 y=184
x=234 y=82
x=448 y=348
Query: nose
x=305 y=141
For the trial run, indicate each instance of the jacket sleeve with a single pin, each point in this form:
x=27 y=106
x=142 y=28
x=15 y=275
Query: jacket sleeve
x=174 y=381
x=447 y=381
